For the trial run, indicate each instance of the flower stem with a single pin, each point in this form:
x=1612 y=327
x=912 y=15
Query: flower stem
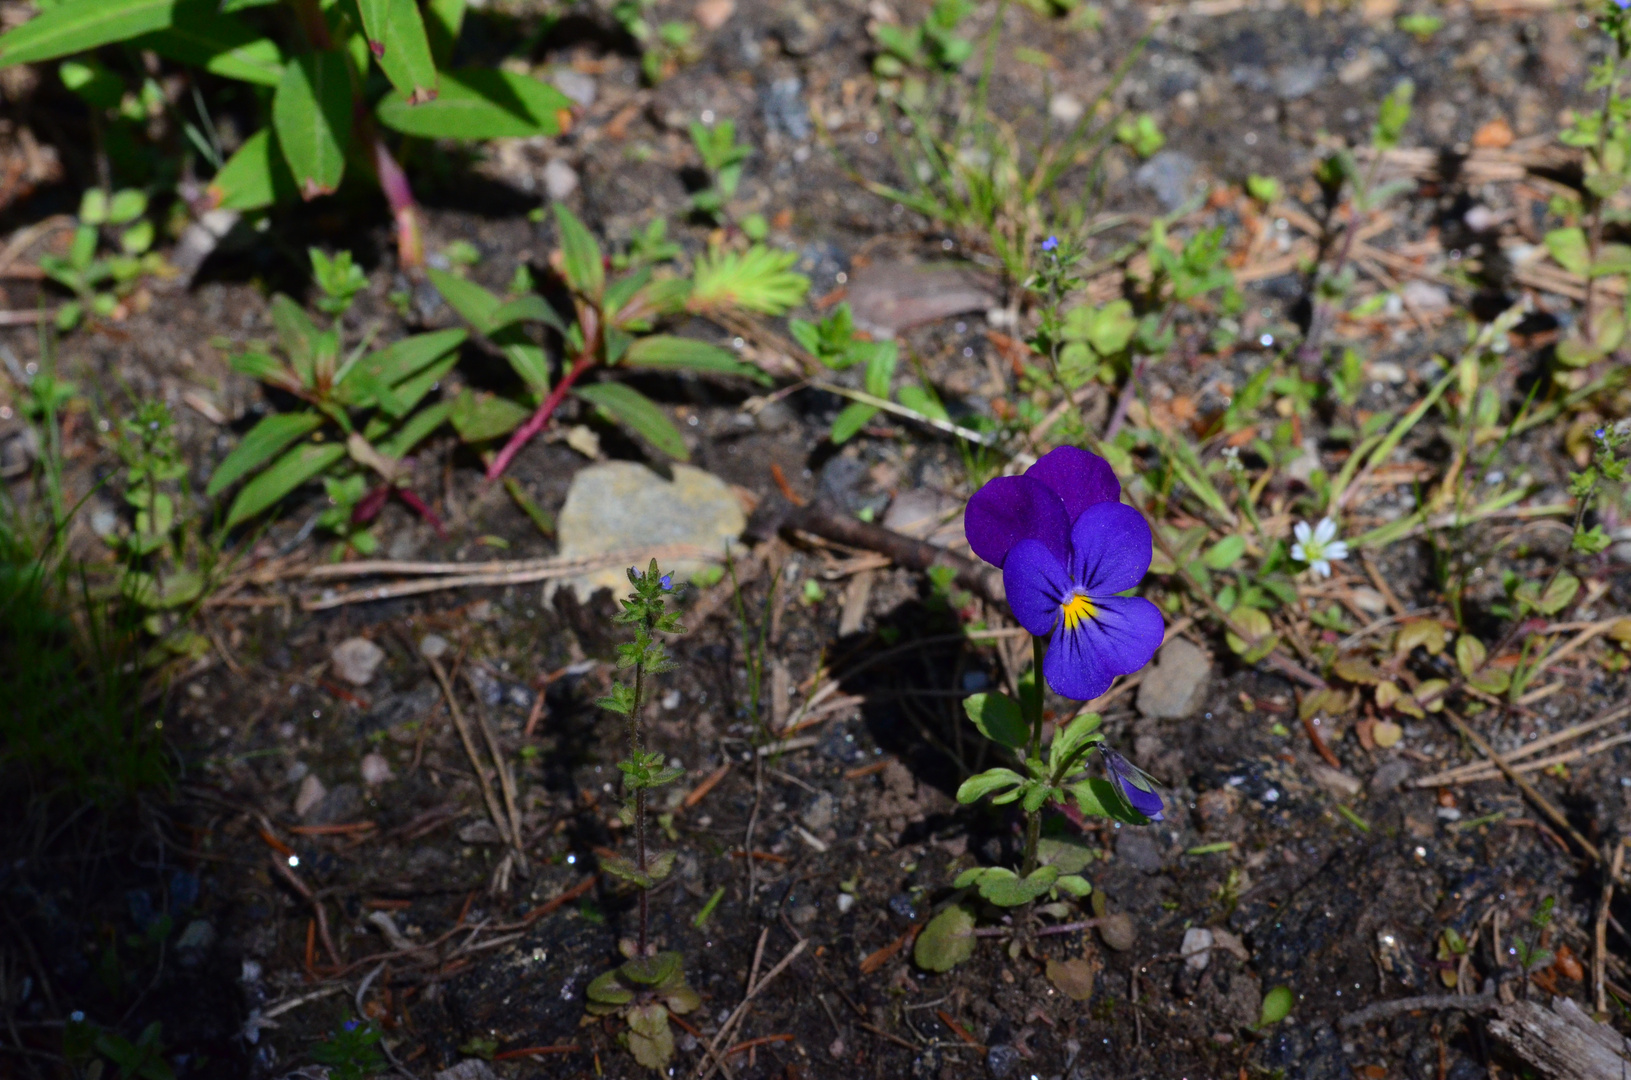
x=636 y=748
x=1033 y=703
x=536 y=422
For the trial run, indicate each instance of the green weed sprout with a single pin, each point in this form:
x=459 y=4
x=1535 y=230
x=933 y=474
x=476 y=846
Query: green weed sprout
x=100 y=281
x=1607 y=464
x=649 y=984
x=932 y=44
x=339 y=278
x=664 y=46
x=722 y=159
x=324 y=110
x=352 y=1051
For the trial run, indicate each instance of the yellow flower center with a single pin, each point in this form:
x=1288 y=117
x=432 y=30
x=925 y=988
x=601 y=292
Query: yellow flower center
x=1076 y=610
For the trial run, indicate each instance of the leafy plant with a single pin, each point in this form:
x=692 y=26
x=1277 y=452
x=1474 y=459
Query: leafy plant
x=361 y=405
x=339 y=278
x=1140 y=134
x=649 y=984
x=324 y=113
x=664 y=46
x=760 y=279
x=100 y=280
x=351 y=1051
x=610 y=327
x=722 y=160
x=932 y=44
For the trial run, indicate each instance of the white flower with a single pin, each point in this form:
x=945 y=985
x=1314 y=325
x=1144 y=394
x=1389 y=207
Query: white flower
x=1317 y=546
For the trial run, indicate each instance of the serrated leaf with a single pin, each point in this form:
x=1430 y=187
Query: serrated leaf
x=479 y=417
x=223 y=45
x=998 y=718
x=650 y=1040
x=311 y=113
x=254 y=177
x=80 y=25
x=284 y=475
x=667 y=352
x=639 y=414
x=396 y=37
x=479 y=103
x=619 y=867
x=582 y=261
x=759 y=279
x=852 y=419
x=946 y=941
x=981 y=784
x=265 y=441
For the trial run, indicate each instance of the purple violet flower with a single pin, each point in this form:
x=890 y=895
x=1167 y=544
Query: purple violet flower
x=1066 y=547
x=1051 y=244
x=667 y=582
x=1134 y=785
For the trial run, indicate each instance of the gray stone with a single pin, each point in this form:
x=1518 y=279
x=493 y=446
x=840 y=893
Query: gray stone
x=375 y=769
x=1197 y=948
x=785 y=110
x=312 y=791
x=468 y=1069
x=356 y=659
x=624 y=508
x=888 y=297
x=575 y=85
x=1139 y=848
x=1168 y=175
x=343 y=804
x=1176 y=685
x=820 y=814
x=560 y=179
x=1118 y=931
x=433 y=646
x=1389 y=775
x=918 y=512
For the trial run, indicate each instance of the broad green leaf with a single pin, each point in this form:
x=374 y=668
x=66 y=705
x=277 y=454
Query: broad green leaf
x=669 y=352
x=1255 y=623
x=1569 y=248
x=417 y=428
x=396 y=37
x=946 y=941
x=1068 y=856
x=287 y=473
x=254 y=177
x=79 y=25
x=1097 y=797
x=297 y=334
x=608 y=988
x=443 y=19
x=650 y=1039
x=581 y=258
x=479 y=103
x=220 y=44
x=311 y=113
x=527 y=359
x=1469 y=654
x=473 y=303
x=265 y=441
x=401 y=359
x=998 y=717
x=1074 y=885
x=1007 y=889
x=880 y=369
x=1611 y=259
x=176 y=589
x=528 y=308
x=1225 y=553
x=851 y=420
x=1277 y=1005
x=639 y=414
x=651 y=970
x=478 y=418
x=982 y=784
x=1559 y=594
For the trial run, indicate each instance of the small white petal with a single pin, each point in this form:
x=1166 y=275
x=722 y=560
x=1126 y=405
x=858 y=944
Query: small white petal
x=1326 y=532
x=1337 y=550
x=1298 y=553
x=1304 y=533
x=1322 y=568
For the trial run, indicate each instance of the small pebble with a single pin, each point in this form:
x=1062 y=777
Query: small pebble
x=310 y=794
x=376 y=770
x=433 y=646
x=1001 y=1060
x=1119 y=931
x=845 y=902
x=356 y=659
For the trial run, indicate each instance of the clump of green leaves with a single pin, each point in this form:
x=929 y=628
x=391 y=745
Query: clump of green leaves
x=91 y=1045
x=340 y=279
x=722 y=160
x=1530 y=953
x=833 y=340
x=1140 y=134
x=931 y=45
x=609 y=327
x=649 y=984
x=98 y=279
x=1608 y=443
x=351 y=1051
x=664 y=46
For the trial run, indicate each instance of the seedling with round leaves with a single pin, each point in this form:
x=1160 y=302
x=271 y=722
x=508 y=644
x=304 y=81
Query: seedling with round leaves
x=99 y=279
x=644 y=990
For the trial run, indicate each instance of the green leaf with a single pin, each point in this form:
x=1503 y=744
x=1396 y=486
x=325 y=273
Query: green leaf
x=411 y=390
x=396 y=37
x=479 y=103
x=998 y=718
x=581 y=257
x=254 y=177
x=1469 y=654
x=651 y=970
x=443 y=19
x=608 y=989
x=1225 y=553
x=311 y=113
x=650 y=1040
x=297 y=334
x=475 y=304
x=201 y=36
x=1073 y=885
x=1082 y=731
x=79 y=25
x=1255 y=623
x=880 y=369
x=287 y=473
x=946 y=941
x=851 y=420
x=265 y=440
x=1611 y=259
x=176 y=589
x=982 y=784
x=1068 y=856
x=478 y=418
x=759 y=279
x=1097 y=797
x=401 y=359
x=1277 y=1005
x=668 y=352
x=417 y=428
x=1559 y=594
x=639 y=414
x=1007 y=889
x=1569 y=248
x=528 y=308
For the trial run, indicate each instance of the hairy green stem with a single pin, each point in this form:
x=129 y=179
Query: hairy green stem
x=1033 y=704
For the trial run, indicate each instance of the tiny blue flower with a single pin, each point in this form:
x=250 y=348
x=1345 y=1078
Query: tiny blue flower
x=1600 y=432
x=1052 y=242
x=667 y=582
x=1622 y=4
x=351 y=1025
x=77 y=1017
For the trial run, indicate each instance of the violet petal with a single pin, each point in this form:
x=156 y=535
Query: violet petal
x=1111 y=547
x=1014 y=508
x=1037 y=585
x=1078 y=477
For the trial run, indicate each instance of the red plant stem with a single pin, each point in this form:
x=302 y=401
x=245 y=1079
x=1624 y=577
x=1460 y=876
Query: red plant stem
x=410 y=240
x=535 y=423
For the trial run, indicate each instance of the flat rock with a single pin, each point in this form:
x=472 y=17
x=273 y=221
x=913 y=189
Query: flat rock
x=1169 y=176
x=918 y=512
x=888 y=297
x=1177 y=683
x=468 y=1069
x=621 y=506
x=356 y=659
x=1139 y=848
